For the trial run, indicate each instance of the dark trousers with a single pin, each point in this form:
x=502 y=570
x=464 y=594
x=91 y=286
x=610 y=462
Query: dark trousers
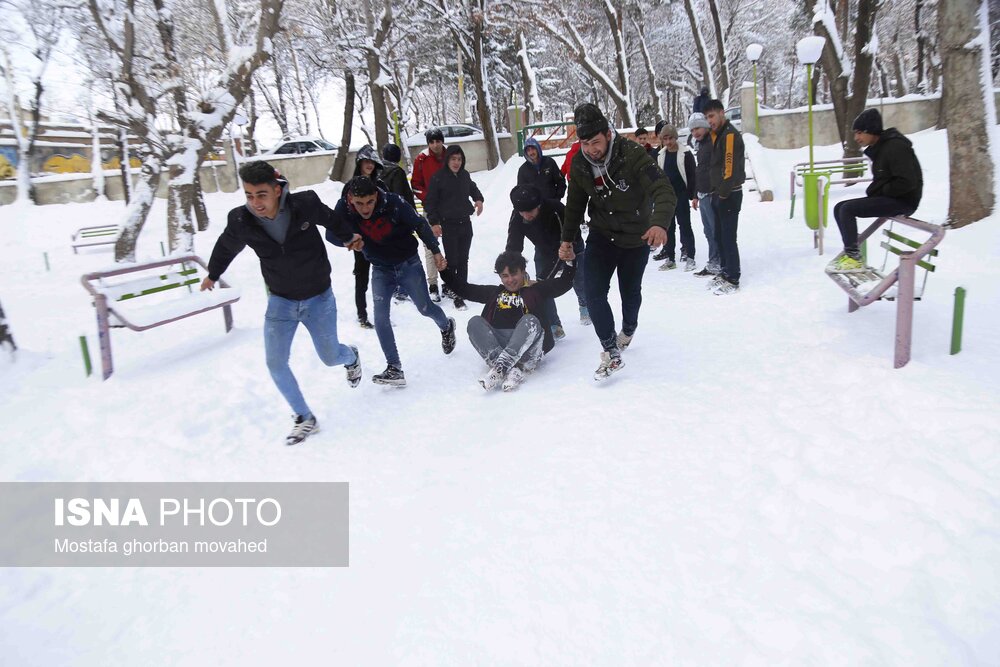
x=603 y=259
x=544 y=263
x=727 y=218
x=457 y=240
x=847 y=212
x=682 y=219
x=362 y=267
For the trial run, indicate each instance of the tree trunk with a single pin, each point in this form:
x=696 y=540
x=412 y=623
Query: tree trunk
x=921 y=46
x=654 y=90
x=345 y=137
x=481 y=79
x=198 y=203
x=722 y=57
x=6 y=336
x=964 y=33
x=703 y=60
x=142 y=201
x=532 y=101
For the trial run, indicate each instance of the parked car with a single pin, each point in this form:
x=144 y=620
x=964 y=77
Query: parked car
x=300 y=145
x=454 y=131
x=735 y=115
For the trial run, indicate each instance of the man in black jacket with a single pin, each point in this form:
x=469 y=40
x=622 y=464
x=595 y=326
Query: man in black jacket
x=540 y=221
x=394 y=176
x=726 y=174
x=281 y=228
x=387 y=224
x=449 y=211
x=512 y=333
x=896 y=188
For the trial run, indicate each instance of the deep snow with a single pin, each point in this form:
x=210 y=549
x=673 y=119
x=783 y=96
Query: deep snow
x=757 y=487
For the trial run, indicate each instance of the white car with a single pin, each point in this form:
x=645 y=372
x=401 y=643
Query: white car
x=453 y=131
x=300 y=145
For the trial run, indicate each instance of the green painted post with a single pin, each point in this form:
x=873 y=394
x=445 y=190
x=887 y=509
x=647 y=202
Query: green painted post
x=163 y=251
x=395 y=125
x=956 y=320
x=46 y=256
x=809 y=94
x=864 y=252
x=86 y=356
x=756 y=107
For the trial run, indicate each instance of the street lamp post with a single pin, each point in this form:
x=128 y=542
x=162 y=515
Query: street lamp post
x=753 y=55
x=809 y=50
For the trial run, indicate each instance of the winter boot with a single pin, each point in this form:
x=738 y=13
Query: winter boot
x=392 y=376
x=460 y=303
x=435 y=295
x=354 y=370
x=611 y=362
x=304 y=427
x=448 y=337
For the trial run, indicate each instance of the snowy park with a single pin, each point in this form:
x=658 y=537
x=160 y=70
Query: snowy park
x=757 y=486
x=777 y=474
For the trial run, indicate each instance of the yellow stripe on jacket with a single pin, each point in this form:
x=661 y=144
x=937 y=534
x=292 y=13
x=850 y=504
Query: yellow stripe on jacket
x=728 y=171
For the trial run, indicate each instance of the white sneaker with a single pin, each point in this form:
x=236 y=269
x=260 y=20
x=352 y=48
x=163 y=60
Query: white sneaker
x=515 y=377
x=690 y=264
x=494 y=376
x=716 y=281
x=354 y=370
x=624 y=340
x=726 y=288
x=303 y=429
x=667 y=265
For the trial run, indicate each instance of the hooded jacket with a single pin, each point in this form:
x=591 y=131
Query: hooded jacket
x=424 y=167
x=396 y=182
x=631 y=195
x=388 y=233
x=368 y=153
x=545 y=175
x=449 y=194
x=896 y=171
x=297 y=269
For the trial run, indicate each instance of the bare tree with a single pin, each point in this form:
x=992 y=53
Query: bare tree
x=968 y=108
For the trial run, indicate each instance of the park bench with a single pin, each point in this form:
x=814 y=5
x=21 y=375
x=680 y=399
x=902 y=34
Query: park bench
x=95 y=235
x=143 y=296
x=900 y=283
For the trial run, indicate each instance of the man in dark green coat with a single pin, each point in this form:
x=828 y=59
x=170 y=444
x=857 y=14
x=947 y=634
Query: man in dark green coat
x=630 y=203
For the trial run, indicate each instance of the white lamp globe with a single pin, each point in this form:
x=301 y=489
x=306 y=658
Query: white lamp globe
x=809 y=49
x=753 y=52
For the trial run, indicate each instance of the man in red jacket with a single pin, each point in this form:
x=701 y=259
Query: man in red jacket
x=426 y=165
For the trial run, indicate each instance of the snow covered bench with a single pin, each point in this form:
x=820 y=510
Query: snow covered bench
x=150 y=297
x=95 y=235
x=899 y=285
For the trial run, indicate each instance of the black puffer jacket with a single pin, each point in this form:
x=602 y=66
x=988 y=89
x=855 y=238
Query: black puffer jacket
x=297 y=269
x=450 y=195
x=895 y=169
x=396 y=182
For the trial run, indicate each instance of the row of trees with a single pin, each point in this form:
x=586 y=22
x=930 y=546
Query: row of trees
x=175 y=72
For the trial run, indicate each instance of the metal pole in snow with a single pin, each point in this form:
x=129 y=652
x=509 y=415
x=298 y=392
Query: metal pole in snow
x=957 y=320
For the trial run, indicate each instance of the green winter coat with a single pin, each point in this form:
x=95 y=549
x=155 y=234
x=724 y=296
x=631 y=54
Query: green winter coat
x=637 y=196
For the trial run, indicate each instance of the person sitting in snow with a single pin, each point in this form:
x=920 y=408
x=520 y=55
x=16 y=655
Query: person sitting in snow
x=513 y=332
x=896 y=187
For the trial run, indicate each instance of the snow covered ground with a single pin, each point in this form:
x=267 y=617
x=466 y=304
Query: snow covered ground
x=757 y=487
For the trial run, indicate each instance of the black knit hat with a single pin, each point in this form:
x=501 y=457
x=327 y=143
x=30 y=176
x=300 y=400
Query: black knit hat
x=869 y=121
x=525 y=198
x=589 y=121
x=391 y=153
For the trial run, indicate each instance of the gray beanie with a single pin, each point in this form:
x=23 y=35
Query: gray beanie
x=697 y=120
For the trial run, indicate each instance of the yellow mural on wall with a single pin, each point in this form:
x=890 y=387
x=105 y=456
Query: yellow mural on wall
x=116 y=163
x=60 y=164
x=6 y=168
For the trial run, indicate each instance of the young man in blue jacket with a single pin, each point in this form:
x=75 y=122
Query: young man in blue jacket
x=281 y=228
x=386 y=223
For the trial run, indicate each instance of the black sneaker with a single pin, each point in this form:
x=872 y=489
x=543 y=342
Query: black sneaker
x=460 y=303
x=661 y=255
x=391 y=376
x=400 y=296
x=354 y=370
x=303 y=429
x=364 y=323
x=435 y=295
x=448 y=337
x=448 y=293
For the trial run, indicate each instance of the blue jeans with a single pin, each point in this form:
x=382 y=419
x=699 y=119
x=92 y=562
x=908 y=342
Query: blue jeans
x=409 y=276
x=708 y=222
x=603 y=259
x=319 y=315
